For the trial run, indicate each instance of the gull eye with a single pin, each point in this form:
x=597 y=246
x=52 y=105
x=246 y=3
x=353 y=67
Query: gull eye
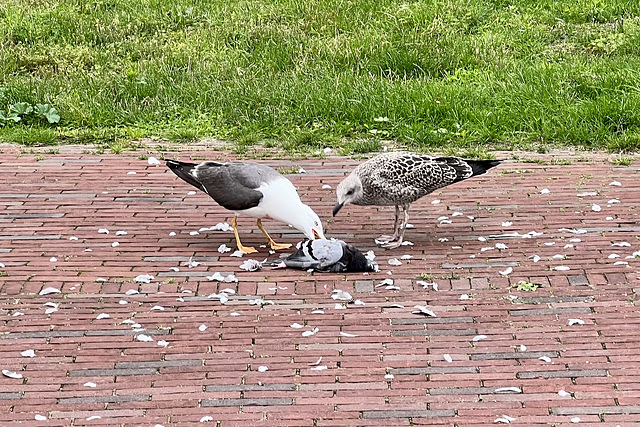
x=350 y=192
x=315 y=223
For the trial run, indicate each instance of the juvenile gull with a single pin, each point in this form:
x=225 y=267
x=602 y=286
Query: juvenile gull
x=251 y=189
x=399 y=179
x=333 y=256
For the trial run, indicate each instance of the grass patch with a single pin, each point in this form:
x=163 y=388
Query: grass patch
x=466 y=76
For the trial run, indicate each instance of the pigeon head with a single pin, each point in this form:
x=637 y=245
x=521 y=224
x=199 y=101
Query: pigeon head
x=307 y=221
x=348 y=191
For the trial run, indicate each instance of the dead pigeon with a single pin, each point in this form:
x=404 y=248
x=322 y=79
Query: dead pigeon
x=333 y=256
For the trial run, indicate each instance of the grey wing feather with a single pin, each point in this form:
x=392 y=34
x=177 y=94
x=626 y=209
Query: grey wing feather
x=318 y=254
x=234 y=185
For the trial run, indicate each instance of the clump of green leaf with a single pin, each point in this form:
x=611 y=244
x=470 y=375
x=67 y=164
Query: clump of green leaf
x=525 y=286
x=25 y=112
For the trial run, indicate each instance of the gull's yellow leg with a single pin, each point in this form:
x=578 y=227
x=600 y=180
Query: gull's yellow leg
x=275 y=246
x=245 y=249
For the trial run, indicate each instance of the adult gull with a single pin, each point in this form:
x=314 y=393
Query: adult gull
x=255 y=190
x=399 y=179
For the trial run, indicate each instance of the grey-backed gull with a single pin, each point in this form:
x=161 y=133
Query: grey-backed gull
x=333 y=256
x=251 y=189
x=399 y=179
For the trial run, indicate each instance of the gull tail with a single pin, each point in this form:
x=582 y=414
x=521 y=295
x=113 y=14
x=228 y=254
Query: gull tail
x=184 y=170
x=481 y=166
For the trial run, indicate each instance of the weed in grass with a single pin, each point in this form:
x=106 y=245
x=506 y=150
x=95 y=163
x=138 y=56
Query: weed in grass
x=525 y=286
x=622 y=161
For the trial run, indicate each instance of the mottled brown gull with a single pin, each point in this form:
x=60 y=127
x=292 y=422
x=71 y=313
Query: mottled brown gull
x=399 y=179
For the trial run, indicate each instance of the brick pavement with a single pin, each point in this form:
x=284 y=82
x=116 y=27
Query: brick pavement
x=564 y=354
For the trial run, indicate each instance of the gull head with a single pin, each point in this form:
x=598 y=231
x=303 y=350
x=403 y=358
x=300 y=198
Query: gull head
x=307 y=221
x=348 y=191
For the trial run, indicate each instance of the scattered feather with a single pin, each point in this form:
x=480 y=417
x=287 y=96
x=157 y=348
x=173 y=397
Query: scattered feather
x=152 y=161
x=28 y=353
x=191 y=193
x=157 y=307
x=558 y=256
x=545 y=359
x=535 y=258
x=339 y=306
x=424 y=284
x=613 y=201
x=501 y=246
x=234 y=314
x=94 y=417
x=192 y=263
x=478 y=338
x=237 y=254
x=340 y=295
x=423 y=310
x=11 y=374
x=613 y=256
x=435 y=202
x=563 y=393
x=317 y=362
x=561 y=268
x=506 y=272
x=621 y=244
x=464 y=296
x=501 y=420
x=194 y=233
x=394 y=261
x=262 y=368
x=389 y=377
x=132 y=292
x=103 y=231
x=296 y=326
x=443 y=239
x=73 y=238
x=132 y=173
x=574 y=230
x=173 y=233
x=17 y=313
x=163 y=343
x=206 y=418
x=620 y=263
x=49 y=290
x=568 y=246
x=53 y=259
x=549 y=243
x=221 y=226
x=310 y=333
x=596 y=208
x=348 y=335
x=202 y=328
x=121 y=233
x=317 y=312
x=615 y=183
x=174 y=269
x=407 y=243
x=447 y=358
x=508 y=390
x=301 y=170
x=482 y=239
x=358 y=302
x=575 y=420
x=223 y=248
x=326 y=187
x=144 y=338
x=90 y=384
x=507 y=223
x=123 y=302
x=576 y=322
x=144 y=278
x=523 y=347
x=544 y=191
x=251 y=265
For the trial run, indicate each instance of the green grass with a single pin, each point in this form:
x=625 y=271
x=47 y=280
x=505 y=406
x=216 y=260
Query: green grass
x=466 y=75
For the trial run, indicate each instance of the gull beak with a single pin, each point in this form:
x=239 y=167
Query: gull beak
x=337 y=208
x=317 y=235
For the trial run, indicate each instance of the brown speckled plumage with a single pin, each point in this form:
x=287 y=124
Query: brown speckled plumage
x=400 y=178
